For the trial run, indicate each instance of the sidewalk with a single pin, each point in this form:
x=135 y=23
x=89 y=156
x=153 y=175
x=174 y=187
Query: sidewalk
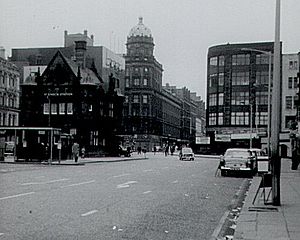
x=134 y=156
x=266 y=222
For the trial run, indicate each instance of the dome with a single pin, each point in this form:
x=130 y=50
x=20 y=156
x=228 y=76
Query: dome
x=140 y=30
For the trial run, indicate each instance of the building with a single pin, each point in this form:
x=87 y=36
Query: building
x=99 y=58
x=153 y=115
x=9 y=93
x=70 y=96
x=237 y=95
x=290 y=81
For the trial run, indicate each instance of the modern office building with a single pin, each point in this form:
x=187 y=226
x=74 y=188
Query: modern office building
x=237 y=95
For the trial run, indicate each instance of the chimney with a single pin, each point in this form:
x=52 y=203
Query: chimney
x=80 y=53
x=85 y=32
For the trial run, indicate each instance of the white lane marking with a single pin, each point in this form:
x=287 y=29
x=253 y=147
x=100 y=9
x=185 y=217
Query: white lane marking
x=77 y=184
x=125 y=185
x=165 y=167
x=147 y=192
x=1 y=234
x=148 y=170
x=122 y=175
x=39 y=183
x=176 y=181
x=89 y=213
x=17 y=195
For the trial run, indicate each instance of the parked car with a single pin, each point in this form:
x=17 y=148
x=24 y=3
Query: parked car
x=186 y=154
x=238 y=159
x=123 y=151
x=262 y=160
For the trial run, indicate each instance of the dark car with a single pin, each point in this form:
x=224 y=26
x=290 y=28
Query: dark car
x=238 y=159
x=123 y=151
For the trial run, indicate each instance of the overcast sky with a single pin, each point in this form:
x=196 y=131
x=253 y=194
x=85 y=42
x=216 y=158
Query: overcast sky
x=183 y=30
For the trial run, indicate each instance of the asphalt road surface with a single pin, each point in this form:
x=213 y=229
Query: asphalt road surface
x=156 y=198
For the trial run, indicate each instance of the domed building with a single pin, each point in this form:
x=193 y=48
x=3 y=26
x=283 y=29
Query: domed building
x=146 y=104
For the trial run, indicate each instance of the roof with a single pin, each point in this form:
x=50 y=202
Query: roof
x=140 y=30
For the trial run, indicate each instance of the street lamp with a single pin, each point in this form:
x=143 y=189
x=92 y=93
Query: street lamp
x=270 y=54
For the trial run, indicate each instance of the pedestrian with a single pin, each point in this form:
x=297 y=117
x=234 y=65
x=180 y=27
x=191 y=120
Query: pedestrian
x=139 y=149
x=167 y=150
x=83 y=152
x=75 y=151
x=144 y=151
x=154 y=150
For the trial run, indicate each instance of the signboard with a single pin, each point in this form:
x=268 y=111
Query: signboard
x=202 y=140
x=243 y=135
x=223 y=138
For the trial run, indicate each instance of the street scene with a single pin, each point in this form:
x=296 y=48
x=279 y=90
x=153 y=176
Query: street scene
x=155 y=198
x=138 y=119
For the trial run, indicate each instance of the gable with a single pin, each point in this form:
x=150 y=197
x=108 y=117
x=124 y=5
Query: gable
x=58 y=72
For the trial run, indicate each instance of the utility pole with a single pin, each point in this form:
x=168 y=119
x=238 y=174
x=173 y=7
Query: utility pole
x=275 y=120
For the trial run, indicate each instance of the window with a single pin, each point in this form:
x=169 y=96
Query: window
x=62 y=108
x=213 y=99
x=145 y=81
x=94 y=138
x=136 y=98
x=136 y=81
x=69 y=108
x=262 y=98
x=240 y=98
x=221 y=99
x=136 y=69
x=145 y=99
x=221 y=60
x=127 y=82
x=145 y=69
x=90 y=107
x=262 y=59
x=53 y=108
x=290 y=83
x=263 y=118
x=212 y=119
x=295 y=102
x=295 y=82
x=213 y=61
x=293 y=64
x=288 y=102
x=220 y=118
x=221 y=79
x=213 y=80
x=262 y=77
x=240 y=78
x=46 y=108
x=126 y=99
x=239 y=118
x=241 y=59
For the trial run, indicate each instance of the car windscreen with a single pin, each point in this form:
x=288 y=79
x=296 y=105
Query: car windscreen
x=187 y=150
x=236 y=153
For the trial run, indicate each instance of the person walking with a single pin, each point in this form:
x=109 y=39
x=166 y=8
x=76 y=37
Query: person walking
x=75 y=151
x=144 y=151
x=167 y=150
x=154 y=150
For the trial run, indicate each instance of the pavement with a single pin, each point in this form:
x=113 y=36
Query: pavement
x=261 y=220
x=82 y=161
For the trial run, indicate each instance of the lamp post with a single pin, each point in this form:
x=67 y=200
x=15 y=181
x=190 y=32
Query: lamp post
x=269 y=91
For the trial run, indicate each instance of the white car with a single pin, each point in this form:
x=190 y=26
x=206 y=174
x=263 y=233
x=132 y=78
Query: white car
x=238 y=159
x=186 y=153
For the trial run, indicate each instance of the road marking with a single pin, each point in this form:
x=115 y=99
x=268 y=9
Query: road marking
x=126 y=185
x=89 y=213
x=39 y=183
x=147 y=192
x=77 y=184
x=18 y=195
x=1 y=234
x=165 y=167
x=122 y=175
x=148 y=170
x=176 y=181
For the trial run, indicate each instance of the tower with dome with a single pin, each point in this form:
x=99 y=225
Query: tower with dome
x=151 y=115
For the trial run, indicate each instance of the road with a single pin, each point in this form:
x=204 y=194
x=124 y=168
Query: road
x=156 y=198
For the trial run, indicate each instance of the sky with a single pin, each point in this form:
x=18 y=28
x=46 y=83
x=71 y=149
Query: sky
x=183 y=30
